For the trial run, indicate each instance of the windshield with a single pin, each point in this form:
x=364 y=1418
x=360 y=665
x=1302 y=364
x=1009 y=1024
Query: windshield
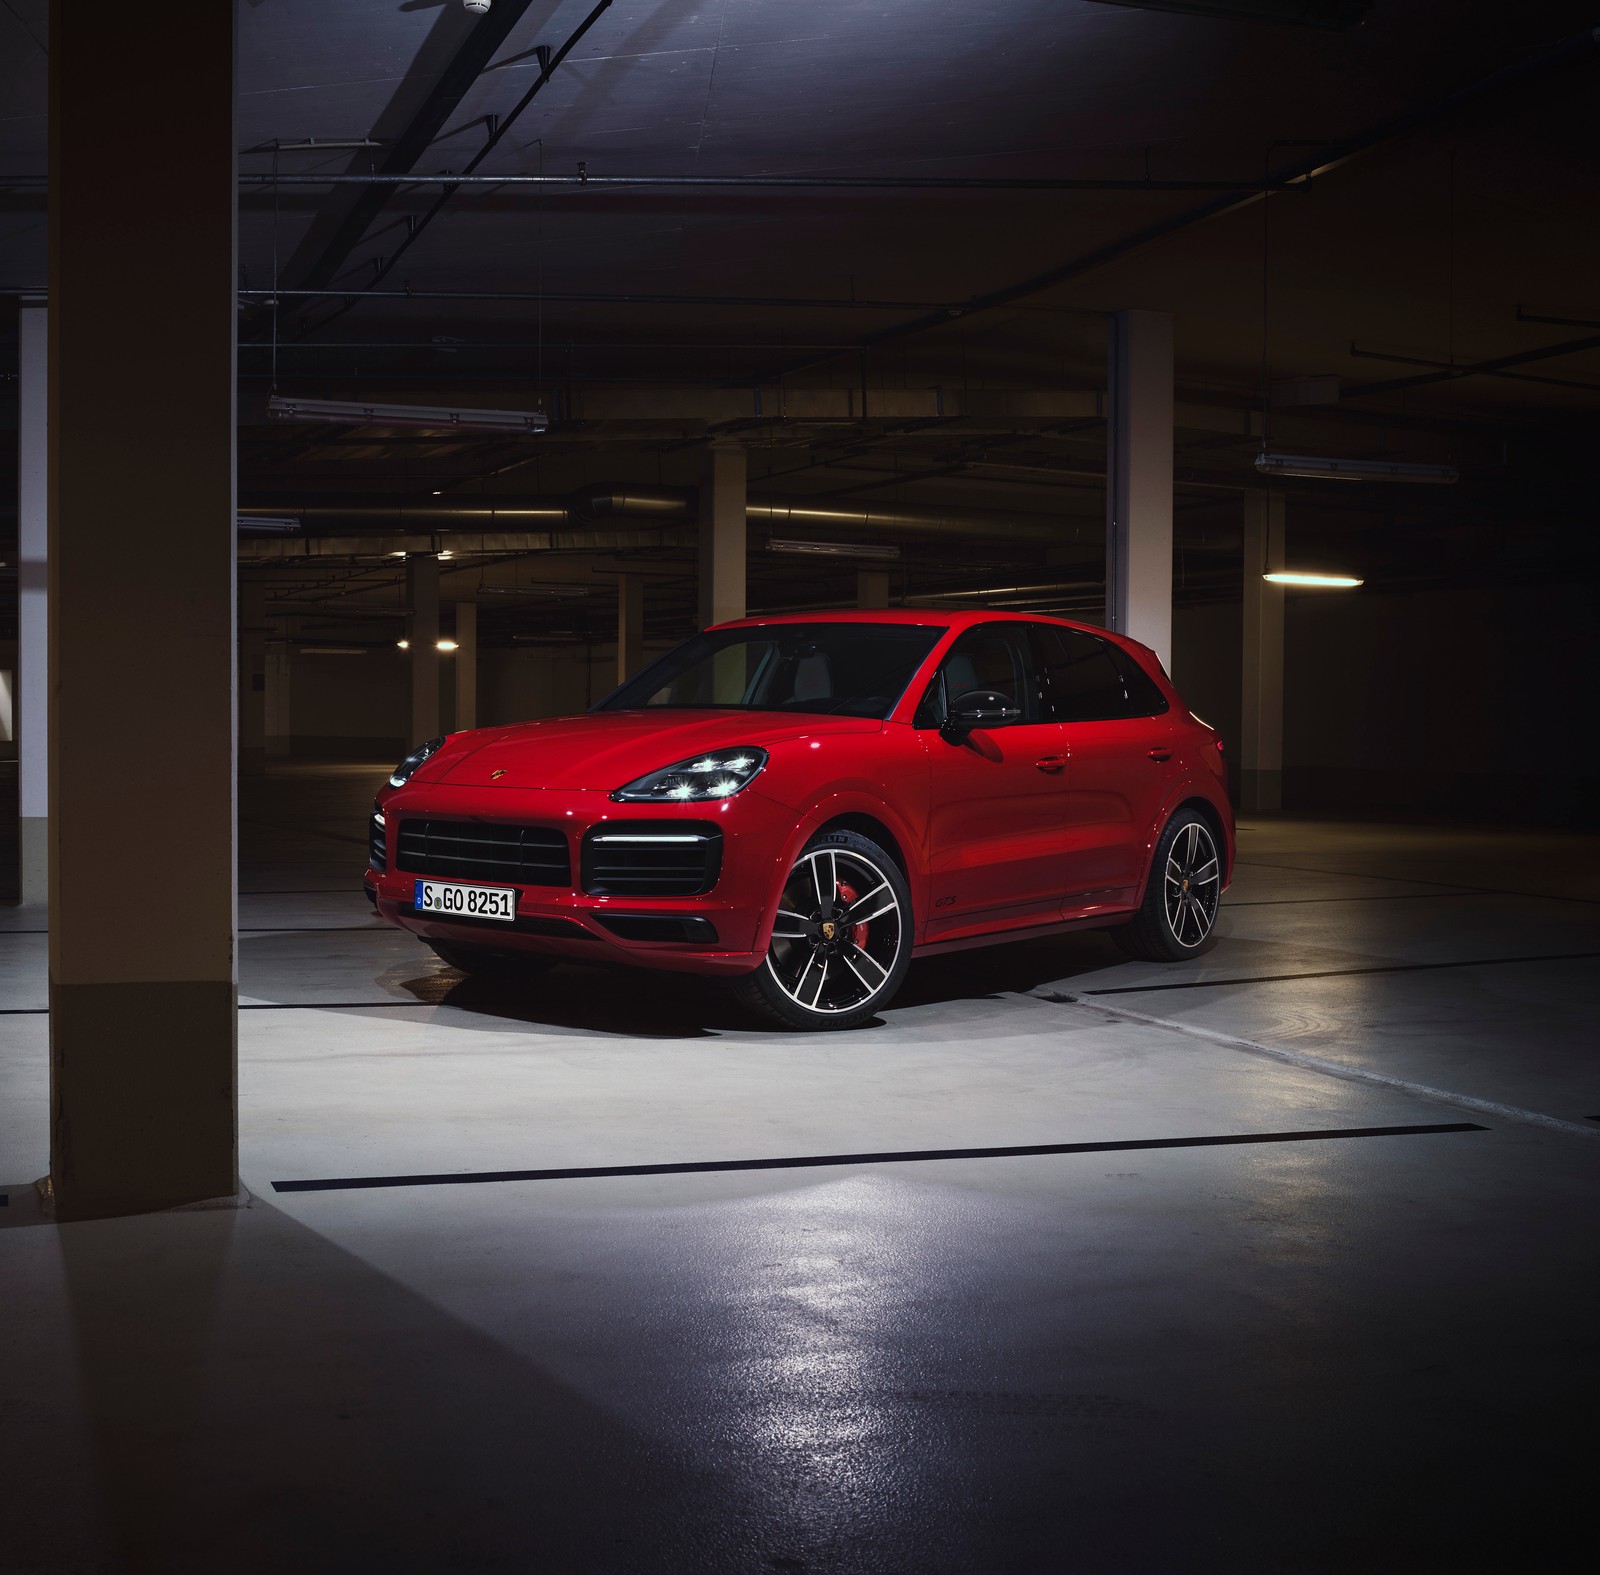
x=837 y=669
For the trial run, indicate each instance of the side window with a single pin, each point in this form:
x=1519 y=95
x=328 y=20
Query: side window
x=996 y=657
x=1087 y=679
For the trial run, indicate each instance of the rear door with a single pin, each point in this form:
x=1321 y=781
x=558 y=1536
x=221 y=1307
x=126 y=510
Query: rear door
x=996 y=825
x=1120 y=760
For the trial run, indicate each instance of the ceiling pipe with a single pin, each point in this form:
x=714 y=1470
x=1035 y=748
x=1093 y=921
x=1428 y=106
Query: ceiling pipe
x=666 y=505
x=580 y=297
x=744 y=182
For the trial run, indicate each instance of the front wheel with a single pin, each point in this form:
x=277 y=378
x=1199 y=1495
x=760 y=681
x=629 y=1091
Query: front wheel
x=1178 y=916
x=841 y=943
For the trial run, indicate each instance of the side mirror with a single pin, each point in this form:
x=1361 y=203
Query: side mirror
x=979 y=708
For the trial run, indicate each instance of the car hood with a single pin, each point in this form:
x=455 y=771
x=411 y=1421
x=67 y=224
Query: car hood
x=605 y=749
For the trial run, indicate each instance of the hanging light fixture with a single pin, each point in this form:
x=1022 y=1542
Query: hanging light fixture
x=1321 y=468
x=363 y=414
x=1340 y=582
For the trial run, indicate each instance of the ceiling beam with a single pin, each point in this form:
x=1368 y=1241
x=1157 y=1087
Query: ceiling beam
x=466 y=66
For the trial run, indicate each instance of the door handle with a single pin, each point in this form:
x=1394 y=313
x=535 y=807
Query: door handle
x=1161 y=754
x=1051 y=764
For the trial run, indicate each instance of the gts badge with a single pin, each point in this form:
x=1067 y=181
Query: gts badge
x=945 y=902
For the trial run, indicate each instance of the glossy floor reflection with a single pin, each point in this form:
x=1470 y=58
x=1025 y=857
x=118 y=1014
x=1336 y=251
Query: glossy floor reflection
x=1358 y=1354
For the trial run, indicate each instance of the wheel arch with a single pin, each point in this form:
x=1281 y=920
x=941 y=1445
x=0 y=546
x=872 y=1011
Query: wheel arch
x=1214 y=818
x=868 y=817
x=869 y=826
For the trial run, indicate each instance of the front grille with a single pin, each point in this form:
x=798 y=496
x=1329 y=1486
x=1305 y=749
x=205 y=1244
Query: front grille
x=484 y=850
x=646 y=858
x=377 y=844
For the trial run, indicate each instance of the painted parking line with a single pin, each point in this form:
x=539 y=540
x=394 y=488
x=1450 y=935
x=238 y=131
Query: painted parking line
x=1326 y=973
x=1339 y=1069
x=889 y=1157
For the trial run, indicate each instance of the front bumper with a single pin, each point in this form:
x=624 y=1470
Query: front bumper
x=566 y=921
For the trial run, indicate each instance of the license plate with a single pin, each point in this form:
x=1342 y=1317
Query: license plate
x=448 y=900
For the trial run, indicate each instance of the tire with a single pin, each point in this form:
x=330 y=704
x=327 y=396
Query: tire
x=832 y=965
x=1178 y=917
x=482 y=962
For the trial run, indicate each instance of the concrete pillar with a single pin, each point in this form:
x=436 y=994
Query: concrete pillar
x=143 y=997
x=872 y=587
x=1139 y=480
x=279 y=718
x=252 y=679
x=33 y=600
x=722 y=534
x=1261 y=715
x=422 y=592
x=630 y=625
x=466 y=666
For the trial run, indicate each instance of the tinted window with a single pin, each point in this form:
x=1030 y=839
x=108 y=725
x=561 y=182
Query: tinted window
x=995 y=657
x=842 y=669
x=1087 y=679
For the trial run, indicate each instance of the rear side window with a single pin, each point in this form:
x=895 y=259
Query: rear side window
x=1087 y=679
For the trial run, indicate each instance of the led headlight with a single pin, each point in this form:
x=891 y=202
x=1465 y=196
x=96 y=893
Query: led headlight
x=403 y=771
x=719 y=773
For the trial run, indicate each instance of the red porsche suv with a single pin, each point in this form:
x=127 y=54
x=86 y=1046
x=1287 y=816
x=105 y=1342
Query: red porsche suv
x=804 y=803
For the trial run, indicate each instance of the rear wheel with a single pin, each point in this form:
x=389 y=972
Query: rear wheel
x=1178 y=916
x=842 y=940
x=484 y=962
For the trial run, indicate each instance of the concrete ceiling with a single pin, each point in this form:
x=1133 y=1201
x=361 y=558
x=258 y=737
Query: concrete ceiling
x=1423 y=247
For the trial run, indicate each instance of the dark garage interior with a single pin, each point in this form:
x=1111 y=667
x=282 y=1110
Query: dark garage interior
x=382 y=371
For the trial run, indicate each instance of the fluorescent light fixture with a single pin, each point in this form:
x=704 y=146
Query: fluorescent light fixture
x=831 y=549
x=405 y=645
x=447 y=553
x=1336 y=14
x=1332 y=582
x=267 y=524
x=1320 y=468
x=438 y=645
x=360 y=413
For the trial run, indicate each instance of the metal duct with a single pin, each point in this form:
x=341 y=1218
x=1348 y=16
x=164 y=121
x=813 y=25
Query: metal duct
x=669 y=507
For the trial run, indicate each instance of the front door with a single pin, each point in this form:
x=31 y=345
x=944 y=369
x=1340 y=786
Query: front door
x=997 y=821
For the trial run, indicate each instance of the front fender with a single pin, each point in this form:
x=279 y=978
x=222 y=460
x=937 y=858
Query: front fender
x=845 y=801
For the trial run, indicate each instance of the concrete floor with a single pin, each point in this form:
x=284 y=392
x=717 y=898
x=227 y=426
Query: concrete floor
x=1367 y=1353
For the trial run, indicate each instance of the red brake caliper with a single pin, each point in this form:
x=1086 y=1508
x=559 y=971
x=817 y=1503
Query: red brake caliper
x=858 y=932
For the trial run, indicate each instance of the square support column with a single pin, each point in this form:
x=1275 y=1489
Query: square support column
x=630 y=625
x=1139 y=480
x=252 y=679
x=279 y=693
x=872 y=587
x=722 y=535
x=466 y=666
x=1261 y=714
x=422 y=592
x=33 y=600
x=143 y=1006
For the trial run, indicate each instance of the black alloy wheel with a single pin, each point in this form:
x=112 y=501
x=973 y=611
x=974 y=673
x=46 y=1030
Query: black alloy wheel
x=1178 y=916
x=842 y=940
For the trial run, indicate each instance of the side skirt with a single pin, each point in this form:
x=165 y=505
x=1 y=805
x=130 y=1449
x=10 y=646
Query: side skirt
x=1031 y=932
